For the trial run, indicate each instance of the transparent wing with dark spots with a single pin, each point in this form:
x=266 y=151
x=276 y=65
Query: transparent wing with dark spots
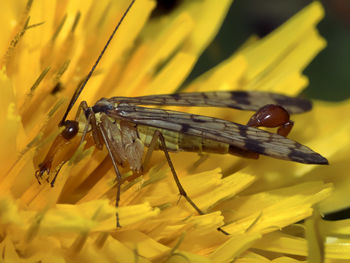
x=242 y=100
x=219 y=130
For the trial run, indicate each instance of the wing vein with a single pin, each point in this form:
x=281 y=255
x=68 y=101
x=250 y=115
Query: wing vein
x=241 y=136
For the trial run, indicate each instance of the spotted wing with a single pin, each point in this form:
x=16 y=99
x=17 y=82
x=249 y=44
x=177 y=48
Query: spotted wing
x=242 y=100
x=237 y=135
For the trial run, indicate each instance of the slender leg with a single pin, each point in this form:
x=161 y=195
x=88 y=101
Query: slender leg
x=86 y=128
x=82 y=105
x=114 y=162
x=71 y=129
x=151 y=148
x=158 y=135
x=57 y=172
x=91 y=119
x=202 y=158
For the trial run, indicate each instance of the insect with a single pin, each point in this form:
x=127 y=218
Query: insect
x=125 y=128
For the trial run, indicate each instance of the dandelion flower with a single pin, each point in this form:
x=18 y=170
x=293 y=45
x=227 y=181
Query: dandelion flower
x=258 y=202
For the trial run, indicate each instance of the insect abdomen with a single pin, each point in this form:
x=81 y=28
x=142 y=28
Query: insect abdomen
x=176 y=141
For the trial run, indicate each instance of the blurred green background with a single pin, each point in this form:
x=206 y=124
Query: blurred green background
x=329 y=72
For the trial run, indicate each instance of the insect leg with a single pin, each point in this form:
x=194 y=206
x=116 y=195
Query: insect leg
x=115 y=166
x=70 y=131
x=202 y=158
x=91 y=119
x=52 y=183
x=158 y=135
x=151 y=148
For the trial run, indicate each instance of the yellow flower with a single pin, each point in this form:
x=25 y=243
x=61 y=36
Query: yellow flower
x=48 y=48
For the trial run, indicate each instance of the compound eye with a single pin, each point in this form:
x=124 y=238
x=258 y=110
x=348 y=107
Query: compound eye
x=71 y=129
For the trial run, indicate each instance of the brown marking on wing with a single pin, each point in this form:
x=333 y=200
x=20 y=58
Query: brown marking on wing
x=240 y=136
x=242 y=100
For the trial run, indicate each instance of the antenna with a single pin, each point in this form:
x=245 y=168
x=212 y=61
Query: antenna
x=81 y=87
